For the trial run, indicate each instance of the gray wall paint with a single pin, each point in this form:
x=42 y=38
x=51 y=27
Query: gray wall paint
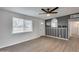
x=6 y=36
x=62 y=21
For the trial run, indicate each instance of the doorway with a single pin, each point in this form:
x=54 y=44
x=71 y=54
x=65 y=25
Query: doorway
x=74 y=29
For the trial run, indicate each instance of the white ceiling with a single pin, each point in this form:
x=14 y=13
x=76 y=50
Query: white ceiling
x=34 y=11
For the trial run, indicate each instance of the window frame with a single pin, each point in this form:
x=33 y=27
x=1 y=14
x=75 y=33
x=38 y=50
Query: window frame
x=24 y=29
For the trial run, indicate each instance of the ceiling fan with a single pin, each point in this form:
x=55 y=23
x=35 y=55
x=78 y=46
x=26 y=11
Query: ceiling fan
x=49 y=11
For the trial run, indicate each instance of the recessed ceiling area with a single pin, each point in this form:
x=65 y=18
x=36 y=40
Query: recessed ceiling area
x=34 y=11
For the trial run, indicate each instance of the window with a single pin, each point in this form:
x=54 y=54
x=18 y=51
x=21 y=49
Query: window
x=21 y=25
x=27 y=26
x=54 y=23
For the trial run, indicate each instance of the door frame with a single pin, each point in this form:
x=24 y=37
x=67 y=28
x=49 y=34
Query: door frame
x=71 y=20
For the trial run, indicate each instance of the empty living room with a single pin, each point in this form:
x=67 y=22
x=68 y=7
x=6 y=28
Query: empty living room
x=39 y=29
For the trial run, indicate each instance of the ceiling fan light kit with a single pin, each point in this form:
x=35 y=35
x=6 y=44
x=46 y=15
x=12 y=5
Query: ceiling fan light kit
x=48 y=15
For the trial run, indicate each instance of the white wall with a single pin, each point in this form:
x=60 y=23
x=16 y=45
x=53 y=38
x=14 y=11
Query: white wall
x=6 y=36
x=74 y=27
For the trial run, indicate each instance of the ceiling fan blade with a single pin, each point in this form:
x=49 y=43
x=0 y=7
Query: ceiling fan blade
x=54 y=12
x=44 y=10
x=54 y=9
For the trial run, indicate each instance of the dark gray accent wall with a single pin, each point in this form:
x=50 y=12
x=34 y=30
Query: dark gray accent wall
x=62 y=23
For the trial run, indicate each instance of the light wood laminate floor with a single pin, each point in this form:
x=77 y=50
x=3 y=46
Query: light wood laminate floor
x=45 y=44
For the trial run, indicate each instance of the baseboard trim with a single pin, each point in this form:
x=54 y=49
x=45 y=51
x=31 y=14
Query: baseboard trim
x=56 y=37
x=19 y=42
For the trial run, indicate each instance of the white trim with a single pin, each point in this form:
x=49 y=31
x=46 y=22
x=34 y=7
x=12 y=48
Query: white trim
x=68 y=28
x=56 y=37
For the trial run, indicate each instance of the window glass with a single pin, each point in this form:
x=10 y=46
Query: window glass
x=54 y=23
x=21 y=25
x=28 y=25
x=17 y=25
